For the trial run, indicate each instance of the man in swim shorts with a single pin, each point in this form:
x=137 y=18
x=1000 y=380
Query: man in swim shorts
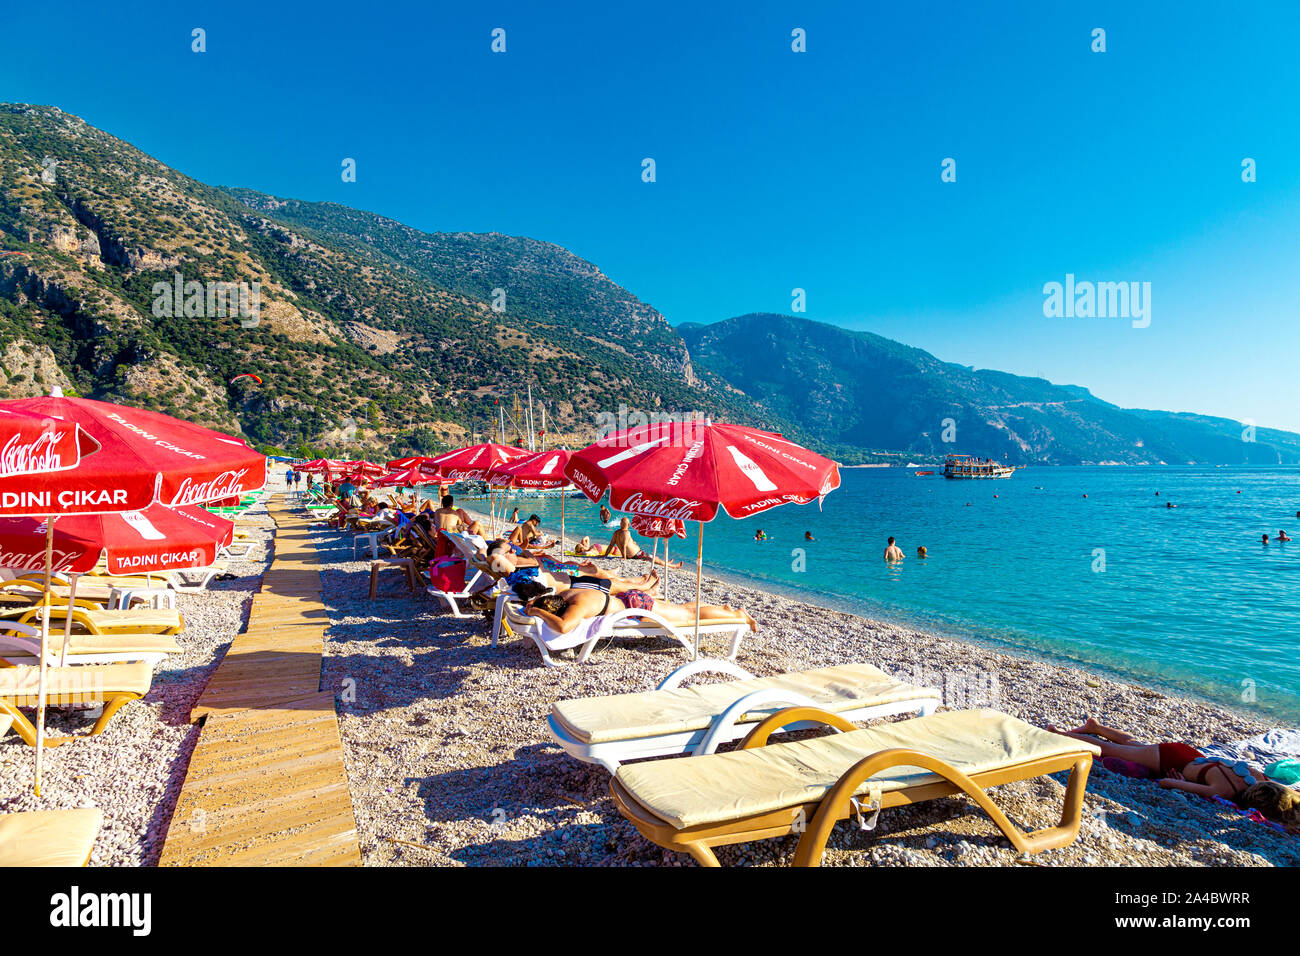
x=893 y=552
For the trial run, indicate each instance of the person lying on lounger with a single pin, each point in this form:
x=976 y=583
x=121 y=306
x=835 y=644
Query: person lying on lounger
x=623 y=545
x=559 y=577
x=589 y=597
x=1182 y=767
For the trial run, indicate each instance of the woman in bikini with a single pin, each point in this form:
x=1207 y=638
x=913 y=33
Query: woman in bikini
x=1183 y=767
x=589 y=597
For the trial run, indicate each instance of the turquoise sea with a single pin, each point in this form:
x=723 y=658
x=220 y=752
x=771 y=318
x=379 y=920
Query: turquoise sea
x=1185 y=597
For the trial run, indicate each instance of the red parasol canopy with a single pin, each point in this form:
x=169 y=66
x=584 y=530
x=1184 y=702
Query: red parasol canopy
x=545 y=469
x=690 y=470
x=476 y=461
x=133 y=542
x=321 y=465
x=405 y=477
x=143 y=457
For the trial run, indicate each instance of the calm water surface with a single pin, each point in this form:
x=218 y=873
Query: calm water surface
x=1187 y=597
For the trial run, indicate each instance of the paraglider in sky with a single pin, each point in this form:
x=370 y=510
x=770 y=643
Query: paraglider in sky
x=255 y=378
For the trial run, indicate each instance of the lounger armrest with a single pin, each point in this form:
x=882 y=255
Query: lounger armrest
x=720 y=730
x=835 y=805
x=703 y=665
x=793 y=715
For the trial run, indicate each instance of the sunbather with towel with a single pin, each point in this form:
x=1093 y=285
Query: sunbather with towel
x=559 y=577
x=1179 y=766
x=623 y=545
x=591 y=597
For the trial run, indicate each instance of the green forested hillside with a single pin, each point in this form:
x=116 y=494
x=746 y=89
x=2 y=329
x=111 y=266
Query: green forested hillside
x=377 y=339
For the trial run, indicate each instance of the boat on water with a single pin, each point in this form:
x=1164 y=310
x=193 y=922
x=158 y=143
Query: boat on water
x=921 y=474
x=968 y=466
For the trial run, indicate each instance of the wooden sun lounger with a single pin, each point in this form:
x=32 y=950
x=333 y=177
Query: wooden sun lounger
x=95 y=621
x=21 y=644
x=672 y=719
x=113 y=685
x=49 y=837
x=765 y=790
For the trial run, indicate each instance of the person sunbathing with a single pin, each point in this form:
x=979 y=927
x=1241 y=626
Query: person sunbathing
x=591 y=597
x=623 y=545
x=528 y=535
x=1182 y=767
x=586 y=547
x=559 y=577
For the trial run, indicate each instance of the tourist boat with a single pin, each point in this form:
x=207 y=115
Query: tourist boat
x=967 y=466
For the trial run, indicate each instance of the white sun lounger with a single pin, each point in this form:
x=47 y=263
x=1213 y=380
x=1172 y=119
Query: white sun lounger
x=672 y=719
x=626 y=623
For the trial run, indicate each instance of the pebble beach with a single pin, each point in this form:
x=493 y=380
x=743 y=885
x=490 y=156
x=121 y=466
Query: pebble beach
x=450 y=763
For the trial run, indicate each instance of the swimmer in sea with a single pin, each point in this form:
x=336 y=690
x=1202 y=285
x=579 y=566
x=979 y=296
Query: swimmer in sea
x=920 y=552
x=893 y=552
x=807 y=536
x=759 y=535
x=1282 y=536
x=1169 y=504
x=605 y=516
x=1265 y=541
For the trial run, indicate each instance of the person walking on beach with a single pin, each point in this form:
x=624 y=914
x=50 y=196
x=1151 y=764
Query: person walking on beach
x=288 y=478
x=297 y=479
x=893 y=552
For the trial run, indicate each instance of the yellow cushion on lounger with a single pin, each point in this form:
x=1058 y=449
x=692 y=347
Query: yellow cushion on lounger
x=86 y=681
x=654 y=713
x=114 y=643
x=48 y=837
x=720 y=787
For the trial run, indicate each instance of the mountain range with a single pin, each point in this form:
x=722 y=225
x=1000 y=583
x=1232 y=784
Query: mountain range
x=373 y=338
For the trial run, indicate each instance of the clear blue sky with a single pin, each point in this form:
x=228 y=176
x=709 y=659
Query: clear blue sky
x=775 y=170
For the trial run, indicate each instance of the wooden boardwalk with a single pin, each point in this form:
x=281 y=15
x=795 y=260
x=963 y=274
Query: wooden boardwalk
x=266 y=785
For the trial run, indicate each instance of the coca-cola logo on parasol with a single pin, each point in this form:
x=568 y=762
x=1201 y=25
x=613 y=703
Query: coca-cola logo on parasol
x=22 y=458
x=678 y=509
x=35 y=560
x=228 y=484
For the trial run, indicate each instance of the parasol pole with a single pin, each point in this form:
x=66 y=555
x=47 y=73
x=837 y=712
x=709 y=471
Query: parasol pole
x=41 y=689
x=699 y=578
x=561 y=522
x=67 y=620
x=665 y=581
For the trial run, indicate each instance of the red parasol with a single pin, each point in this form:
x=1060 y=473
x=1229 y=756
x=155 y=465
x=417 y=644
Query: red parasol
x=692 y=470
x=545 y=469
x=132 y=542
x=476 y=461
x=143 y=457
